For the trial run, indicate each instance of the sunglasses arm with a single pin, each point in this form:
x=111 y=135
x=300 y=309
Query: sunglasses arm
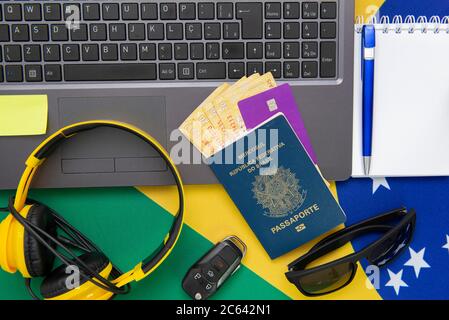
x=338 y=240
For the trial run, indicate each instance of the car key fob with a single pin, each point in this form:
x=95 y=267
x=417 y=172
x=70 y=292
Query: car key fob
x=207 y=275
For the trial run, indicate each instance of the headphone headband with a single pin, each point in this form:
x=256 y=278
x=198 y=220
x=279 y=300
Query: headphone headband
x=44 y=150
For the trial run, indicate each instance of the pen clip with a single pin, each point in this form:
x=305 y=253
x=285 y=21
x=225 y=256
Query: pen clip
x=361 y=53
x=368 y=41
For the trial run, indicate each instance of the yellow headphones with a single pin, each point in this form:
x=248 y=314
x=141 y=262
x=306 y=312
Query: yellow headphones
x=29 y=236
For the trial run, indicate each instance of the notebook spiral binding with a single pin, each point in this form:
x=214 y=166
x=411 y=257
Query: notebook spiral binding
x=409 y=24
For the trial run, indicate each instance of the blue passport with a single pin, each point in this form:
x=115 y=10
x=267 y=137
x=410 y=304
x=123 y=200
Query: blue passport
x=277 y=188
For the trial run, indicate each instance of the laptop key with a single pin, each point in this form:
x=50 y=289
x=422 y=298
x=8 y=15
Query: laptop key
x=117 y=31
x=136 y=31
x=51 y=52
x=59 y=32
x=309 y=69
x=328 y=30
x=110 y=11
x=13 y=73
x=272 y=30
x=12 y=53
x=4 y=33
x=181 y=51
x=174 y=31
x=291 y=10
x=110 y=72
x=225 y=10
x=291 y=50
x=273 y=50
x=33 y=73
x=254 y=50
x=39 y=32
x=12 y=12
x=71 y=52
x=91 y=11
x=212 y=51
x=272 y=10
x=98 y=32
x=310 y=10
x=165 y=51
x=291 y=69
x=155 y=31
x=274 y=68
x=328 y=59
x=1 y=74
x=90 y=52
x=309 y=50
x=196 y=51
x=32 y=12
x=167 y=71
x=128 y=51
x=193 y=31
x=168 y=11
x=210 y=70
x=236 y=70
x=187 y=11
x=32 y=53
x=109 y=52
x=185 y=71
x=71 y=12
x=19 y=32
x=80 y=33
x=52 y=11
x=309 y=30
x=233 y=50
x=231 y=31
x=148 y=11
x=291 y=30
x=212 y=31
x=130 y=11
x=206 y=11
x=254 y=67
x=328 y=10
x=252 y=19
x=147 y=51
x=52 y=72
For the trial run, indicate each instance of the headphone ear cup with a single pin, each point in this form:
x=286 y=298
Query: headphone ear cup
x=19 y=250
x=39 y=259
x=57 y=284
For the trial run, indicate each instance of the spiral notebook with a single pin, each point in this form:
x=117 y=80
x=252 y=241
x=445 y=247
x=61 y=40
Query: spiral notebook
x=411 y=98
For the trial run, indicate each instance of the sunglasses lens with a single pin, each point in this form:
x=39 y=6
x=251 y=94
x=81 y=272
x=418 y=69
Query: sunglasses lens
x=391 y=247
x=327 y=280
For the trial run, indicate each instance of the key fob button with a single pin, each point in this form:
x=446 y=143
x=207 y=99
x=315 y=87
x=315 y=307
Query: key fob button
x=219 y=264
x=211 y=275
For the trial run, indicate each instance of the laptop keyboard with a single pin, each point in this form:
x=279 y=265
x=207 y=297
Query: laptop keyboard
x=69 y=41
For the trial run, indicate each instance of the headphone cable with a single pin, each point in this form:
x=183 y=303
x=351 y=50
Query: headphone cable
x=102 y=282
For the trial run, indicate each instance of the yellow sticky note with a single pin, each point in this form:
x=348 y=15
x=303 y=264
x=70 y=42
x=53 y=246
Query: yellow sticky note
x=23 y=115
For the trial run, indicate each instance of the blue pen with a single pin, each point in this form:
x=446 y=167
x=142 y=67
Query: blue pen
x=368 y=52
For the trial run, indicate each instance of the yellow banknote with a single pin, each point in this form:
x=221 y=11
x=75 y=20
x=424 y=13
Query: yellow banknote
x=213 y=107
x=199 y=130
x=227 y=104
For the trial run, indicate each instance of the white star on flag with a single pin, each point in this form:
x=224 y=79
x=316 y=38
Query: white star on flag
x=417 y=261
x=378 y=182
x=395 y=281
x=446 y=246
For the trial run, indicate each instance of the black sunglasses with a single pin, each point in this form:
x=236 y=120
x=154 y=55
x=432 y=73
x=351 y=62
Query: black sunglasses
x=397 y=228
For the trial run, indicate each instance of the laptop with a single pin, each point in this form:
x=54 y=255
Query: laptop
x=150 y=63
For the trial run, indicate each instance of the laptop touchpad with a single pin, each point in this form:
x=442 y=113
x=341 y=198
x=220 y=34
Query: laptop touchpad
x=108 y=150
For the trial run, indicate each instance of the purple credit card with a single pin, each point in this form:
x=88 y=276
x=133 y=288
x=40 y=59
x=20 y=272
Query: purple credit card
x=263 y=106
